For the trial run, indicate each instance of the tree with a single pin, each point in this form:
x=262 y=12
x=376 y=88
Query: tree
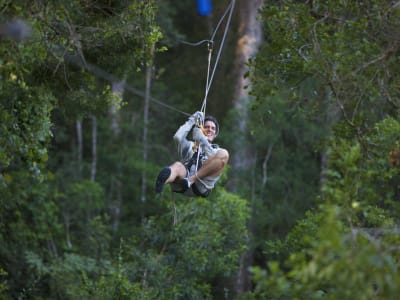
x=344 y=50
x=344 y=248
x=71 y=220
x=59 y=76
x=334 y=63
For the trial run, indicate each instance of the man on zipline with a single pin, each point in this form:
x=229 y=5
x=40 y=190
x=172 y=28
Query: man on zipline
x=195 y=176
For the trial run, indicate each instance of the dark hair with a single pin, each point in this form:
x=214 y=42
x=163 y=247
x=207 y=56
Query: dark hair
x=214 y=120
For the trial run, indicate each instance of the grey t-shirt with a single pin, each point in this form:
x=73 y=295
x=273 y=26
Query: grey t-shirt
x=186 y=151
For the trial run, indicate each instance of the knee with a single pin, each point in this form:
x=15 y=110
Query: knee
x=223 y=154
x=178 y=169
x=177 y=166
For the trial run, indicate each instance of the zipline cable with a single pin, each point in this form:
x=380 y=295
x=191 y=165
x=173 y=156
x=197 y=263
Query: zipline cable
x=209 y=81
x=229 y=8
x=100 y=73
x=194 y=44
x=111 y=78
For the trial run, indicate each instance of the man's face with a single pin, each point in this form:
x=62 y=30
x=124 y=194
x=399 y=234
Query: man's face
x=210 y=129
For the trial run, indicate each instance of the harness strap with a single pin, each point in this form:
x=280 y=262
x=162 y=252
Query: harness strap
x=195 y=160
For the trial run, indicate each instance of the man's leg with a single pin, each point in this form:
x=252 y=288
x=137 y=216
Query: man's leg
x=213 y=166
x=178 y=171
x=169 y=174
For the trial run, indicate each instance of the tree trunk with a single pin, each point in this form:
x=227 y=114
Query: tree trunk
x=94 y=149
x=79 y=146
x=118 y=91
x=249 y=39
x=332 y=116
x=149 y=67
x=67 y=229
x=115 y=195
x=265 y=165
x=115 y=200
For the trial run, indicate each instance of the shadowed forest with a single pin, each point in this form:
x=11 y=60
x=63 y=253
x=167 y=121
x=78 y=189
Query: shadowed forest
x=307 y=95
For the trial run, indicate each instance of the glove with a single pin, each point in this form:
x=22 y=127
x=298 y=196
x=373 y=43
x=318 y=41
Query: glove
x=197 y=117
x=198 y=135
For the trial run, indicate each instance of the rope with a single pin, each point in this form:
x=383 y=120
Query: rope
x=229 y=9
x=210 y=78
x=210 y=45
x=61 y=51
x=210 y=49
x=199 y=179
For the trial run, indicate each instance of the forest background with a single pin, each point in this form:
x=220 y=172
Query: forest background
x=91 y=95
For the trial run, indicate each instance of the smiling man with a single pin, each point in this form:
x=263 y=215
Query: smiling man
x=201 y=162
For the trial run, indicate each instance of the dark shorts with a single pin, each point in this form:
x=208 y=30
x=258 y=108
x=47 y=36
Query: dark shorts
x=193 y=191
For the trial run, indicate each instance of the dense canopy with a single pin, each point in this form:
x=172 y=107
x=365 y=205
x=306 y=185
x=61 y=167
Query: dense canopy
x=91 y=95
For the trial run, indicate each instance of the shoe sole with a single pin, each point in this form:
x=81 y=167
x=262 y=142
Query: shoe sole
x=162 y=178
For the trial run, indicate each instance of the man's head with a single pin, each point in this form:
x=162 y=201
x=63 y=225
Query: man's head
x=211 y=127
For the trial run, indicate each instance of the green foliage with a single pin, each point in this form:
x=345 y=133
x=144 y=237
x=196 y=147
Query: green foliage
x=113 y=285
x=288 y=144
x=54 y=226
x=86 y=194
x=344 y=47
x=335 y=64
x=29 y=220
x=163 y=261
x=338 y=264
x=3 y=285
x=180 y=261
x=58 y=229
x=25 y=114
x=345 y=249
x=212 y=240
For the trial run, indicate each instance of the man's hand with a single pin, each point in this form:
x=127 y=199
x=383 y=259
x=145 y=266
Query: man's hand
x=198 y=135
x=197 y=117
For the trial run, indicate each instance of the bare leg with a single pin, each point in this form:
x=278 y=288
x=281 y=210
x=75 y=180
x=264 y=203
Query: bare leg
x=169 y=174
x=178 y=171
x=213 y=166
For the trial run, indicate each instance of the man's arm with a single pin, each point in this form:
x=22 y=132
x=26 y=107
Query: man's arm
x=199 y=136
x=180 y=137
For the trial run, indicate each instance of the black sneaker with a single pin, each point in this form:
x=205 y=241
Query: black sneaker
x=162 y=178
x=184 y=184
